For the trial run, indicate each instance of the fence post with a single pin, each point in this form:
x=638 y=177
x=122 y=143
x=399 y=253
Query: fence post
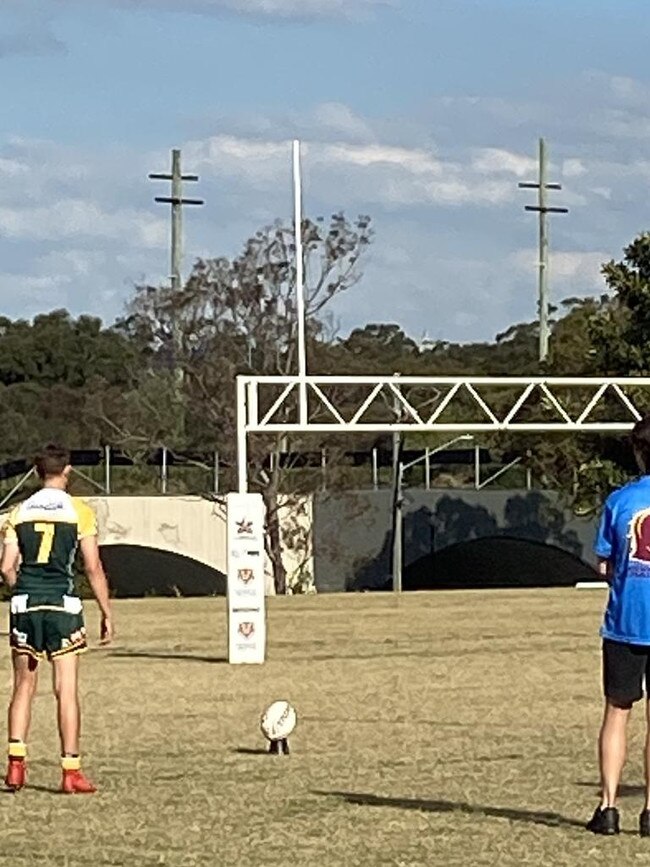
x=163 y=471
x=107 y=469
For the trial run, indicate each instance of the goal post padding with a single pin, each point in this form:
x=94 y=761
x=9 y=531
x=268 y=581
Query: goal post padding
x=246 y=598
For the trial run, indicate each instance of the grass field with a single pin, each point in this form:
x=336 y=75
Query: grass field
x=446 y=729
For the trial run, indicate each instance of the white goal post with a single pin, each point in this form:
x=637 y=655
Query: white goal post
x=366 y=404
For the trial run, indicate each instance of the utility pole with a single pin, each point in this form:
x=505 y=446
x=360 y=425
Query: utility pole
x=177 y=202
x=542 y=208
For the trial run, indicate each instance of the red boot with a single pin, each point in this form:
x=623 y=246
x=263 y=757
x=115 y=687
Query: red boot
x=76 y=783
x=16 y=774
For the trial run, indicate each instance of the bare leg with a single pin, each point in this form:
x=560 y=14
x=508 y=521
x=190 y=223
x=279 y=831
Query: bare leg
x=65 y=679
x=20 y=708
x=647 y=758
x=612 y=748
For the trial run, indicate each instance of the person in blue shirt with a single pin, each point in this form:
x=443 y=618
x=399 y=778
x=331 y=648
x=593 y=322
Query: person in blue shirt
x=623 y=551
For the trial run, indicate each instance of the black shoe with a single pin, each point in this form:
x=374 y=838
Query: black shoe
x=644 y=824
x=605 y=821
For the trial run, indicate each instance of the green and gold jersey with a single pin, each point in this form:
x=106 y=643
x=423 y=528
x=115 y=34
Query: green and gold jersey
x=47 y=528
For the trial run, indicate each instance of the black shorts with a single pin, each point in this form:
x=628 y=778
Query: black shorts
x=46 y=627
x=626 y=669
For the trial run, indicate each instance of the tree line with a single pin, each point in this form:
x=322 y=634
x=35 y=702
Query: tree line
x=164 y=373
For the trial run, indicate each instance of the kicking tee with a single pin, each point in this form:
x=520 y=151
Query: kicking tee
x=624 y=539
x=47 y=528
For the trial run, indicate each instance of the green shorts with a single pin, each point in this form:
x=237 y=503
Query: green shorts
x=46 y=627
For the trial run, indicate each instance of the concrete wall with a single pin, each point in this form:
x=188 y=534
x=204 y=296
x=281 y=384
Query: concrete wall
x=351 y=538
x=188 y=527
x=353 y=531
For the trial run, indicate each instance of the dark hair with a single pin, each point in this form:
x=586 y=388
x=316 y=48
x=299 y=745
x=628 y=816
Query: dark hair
x=641 y=441
x=51 y=461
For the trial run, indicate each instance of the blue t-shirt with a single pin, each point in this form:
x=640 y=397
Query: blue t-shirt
x=624 y=539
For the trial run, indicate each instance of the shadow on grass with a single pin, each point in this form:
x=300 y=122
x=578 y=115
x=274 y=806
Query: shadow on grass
x=187 y=657
x=49 y=790
x=496 y=650
x=551 y=820
x=623 y=790
x=251 y=751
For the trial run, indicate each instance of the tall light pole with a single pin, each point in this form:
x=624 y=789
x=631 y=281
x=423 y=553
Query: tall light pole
x=398 y=541
x=398 y=502
x=542 y=208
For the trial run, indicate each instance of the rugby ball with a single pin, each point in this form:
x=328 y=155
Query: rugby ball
x=278 y=721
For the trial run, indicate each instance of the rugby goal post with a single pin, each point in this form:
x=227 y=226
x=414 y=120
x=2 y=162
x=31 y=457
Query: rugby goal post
x=245 y=578
x=367 y=404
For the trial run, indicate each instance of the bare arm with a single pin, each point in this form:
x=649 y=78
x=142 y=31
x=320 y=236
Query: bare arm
x=99 y=585
x=605 y=569
x=9 y=564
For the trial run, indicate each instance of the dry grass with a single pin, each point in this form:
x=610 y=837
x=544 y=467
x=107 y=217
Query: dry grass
x=446 y=729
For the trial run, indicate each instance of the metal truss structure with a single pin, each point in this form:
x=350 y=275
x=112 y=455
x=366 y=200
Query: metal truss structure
x=356 y=404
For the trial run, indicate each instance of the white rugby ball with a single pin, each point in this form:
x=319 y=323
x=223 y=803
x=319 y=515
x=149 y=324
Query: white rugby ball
x=278 y=721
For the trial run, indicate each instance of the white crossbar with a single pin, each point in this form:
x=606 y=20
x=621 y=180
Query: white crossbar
x=503 y=404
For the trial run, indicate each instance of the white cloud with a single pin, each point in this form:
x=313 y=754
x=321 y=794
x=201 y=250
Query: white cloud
x=454 y=253
x=76 y=218
x=565 y=266
x=623 y=90
x=573 y=168
x=269 y=9
x=13 y=168
x=497 y=161
x=339 y=120
x=380 y=173
x=413 y=161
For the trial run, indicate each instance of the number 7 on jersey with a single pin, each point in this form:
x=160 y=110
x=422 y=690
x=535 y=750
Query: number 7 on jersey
x=46 y=532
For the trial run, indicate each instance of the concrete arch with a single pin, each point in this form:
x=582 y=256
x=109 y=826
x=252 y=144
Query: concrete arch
x=353 y=532
x=497 y=562
x=139 y=570
x=191 y=526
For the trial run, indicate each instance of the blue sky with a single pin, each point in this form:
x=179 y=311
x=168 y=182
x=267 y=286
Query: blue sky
x=424 y=114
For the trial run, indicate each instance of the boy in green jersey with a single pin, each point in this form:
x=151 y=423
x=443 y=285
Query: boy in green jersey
x=41 y=537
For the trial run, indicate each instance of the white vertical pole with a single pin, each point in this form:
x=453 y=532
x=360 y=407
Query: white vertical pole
x=107 y=468
x=242 y=416
x=300 y=277
x=215 y=474
x=163 y=471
